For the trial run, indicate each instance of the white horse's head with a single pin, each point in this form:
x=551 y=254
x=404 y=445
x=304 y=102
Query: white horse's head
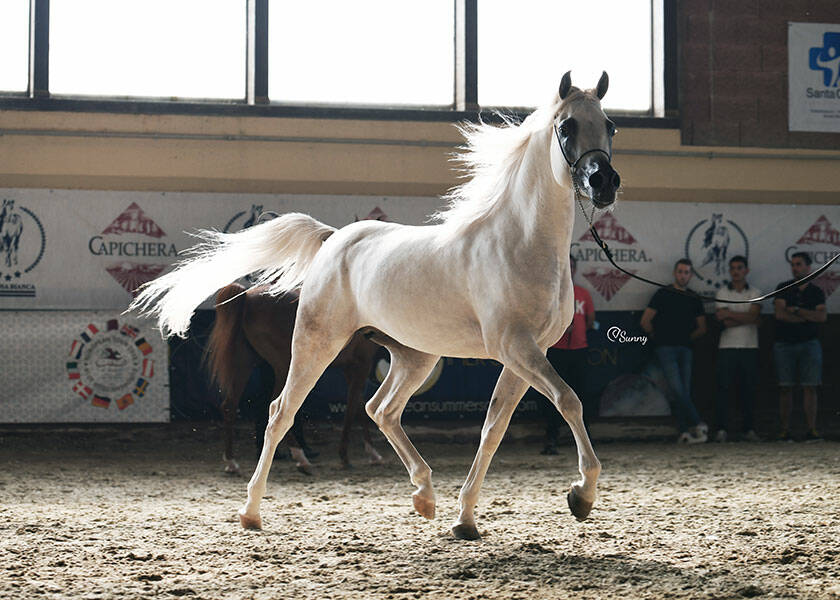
x=581 y=148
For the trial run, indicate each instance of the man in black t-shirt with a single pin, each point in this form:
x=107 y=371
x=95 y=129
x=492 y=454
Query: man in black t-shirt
x=797 y=350
x=674 y=321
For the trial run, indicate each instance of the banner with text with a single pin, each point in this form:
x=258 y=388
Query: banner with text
x=89 y=250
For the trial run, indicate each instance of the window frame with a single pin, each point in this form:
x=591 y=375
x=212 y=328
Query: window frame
x=256 y=102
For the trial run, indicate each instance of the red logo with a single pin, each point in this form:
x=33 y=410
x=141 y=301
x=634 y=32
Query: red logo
x=377 y=214
x=609 y=229
x=134 y=220
x=132 y=275
x=606 y=281
x=604 y=278
x=821 y=232
x=828 y=282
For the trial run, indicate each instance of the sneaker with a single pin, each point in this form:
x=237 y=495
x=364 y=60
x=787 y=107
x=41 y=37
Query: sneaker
x=721 y=436
x=701 y=433
x=751 y=436
x=784 y=436
x=813 y=436
x=686 y=437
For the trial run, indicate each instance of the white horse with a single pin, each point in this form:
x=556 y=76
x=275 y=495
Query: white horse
x=490 y=280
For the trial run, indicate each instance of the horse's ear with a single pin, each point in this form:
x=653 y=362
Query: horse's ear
x=603 y=84
x=565 y=85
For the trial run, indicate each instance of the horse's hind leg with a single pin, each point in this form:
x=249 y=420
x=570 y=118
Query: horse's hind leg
x=522 y=356
x=313 y=349
x=409 y=368
x=506 y=396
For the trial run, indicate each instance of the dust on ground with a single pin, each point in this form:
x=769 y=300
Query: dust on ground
x=140 y=513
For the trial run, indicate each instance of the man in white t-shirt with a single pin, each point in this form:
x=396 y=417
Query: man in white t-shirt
x=737 y=360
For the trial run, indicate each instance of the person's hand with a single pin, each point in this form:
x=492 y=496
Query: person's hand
x=722 y=313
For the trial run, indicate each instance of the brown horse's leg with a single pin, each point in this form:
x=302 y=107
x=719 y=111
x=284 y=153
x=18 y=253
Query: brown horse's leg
x=355 y=374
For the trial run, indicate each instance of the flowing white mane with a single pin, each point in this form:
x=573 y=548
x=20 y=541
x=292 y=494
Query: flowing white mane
x=491 y=158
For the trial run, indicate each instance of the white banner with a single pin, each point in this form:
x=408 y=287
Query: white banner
x=88 y=250
x=813 y=73
x=81 y=367
x=73 y=249
x=647 y=238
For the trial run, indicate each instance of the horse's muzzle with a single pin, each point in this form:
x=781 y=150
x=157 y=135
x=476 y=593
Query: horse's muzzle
x=600 y=181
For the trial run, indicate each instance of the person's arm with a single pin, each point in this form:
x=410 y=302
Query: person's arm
x=700 y=330
x=786 y=313
x=818 y=315
x=730 y=318
x=590 y=312
x=647 y=319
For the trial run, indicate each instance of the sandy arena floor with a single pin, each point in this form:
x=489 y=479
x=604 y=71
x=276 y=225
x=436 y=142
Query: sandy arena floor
x=145 y=514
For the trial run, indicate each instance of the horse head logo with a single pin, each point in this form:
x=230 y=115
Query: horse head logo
x=253 y=216
x=716 y=244
x=11 y=226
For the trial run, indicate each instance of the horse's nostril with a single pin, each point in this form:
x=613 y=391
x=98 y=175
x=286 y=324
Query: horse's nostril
x=616 y=181
x=596 y=180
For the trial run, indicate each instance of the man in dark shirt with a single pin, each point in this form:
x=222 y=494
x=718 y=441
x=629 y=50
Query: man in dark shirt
x=797 y=350
x=674 y=321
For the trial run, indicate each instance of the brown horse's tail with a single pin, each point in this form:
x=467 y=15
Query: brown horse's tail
x=227 y=338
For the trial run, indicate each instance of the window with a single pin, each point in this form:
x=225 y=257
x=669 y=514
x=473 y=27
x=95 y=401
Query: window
x=14 y=45
x=321 y=55
x=524 y=51
x=362 y=52
x=157 y=48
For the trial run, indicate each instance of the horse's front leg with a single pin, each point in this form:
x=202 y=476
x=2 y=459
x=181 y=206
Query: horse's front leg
x=506 y=396
x=522 y=355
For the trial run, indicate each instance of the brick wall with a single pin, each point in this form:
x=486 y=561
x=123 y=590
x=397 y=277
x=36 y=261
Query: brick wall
x=733 y=71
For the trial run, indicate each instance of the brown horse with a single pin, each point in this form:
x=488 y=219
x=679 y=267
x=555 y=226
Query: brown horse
x=251 y=327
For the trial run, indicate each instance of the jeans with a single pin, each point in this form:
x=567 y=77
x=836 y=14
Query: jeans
x=676 y=365
x=798 y=362
x=736 y=368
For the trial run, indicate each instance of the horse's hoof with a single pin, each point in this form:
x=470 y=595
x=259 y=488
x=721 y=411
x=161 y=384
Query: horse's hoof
x=233 y=471
x=305 y=469
x=465 y=532
x=252 y=523
x=424 y=506
x=580 y=508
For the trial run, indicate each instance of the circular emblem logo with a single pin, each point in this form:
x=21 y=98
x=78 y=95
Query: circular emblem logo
x=113 y=365
x=710 y=245
x=22 y=240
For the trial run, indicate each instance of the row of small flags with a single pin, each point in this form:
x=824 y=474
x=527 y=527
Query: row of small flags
x=85 y=391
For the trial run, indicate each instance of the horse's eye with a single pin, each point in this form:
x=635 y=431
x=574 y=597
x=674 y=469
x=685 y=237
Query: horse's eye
x=567 y=127
x=611 y=130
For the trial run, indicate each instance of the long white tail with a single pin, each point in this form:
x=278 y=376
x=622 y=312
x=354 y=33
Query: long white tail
x=279 y=251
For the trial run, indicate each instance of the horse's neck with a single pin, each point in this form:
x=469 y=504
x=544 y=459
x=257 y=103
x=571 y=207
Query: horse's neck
x=538 y=210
